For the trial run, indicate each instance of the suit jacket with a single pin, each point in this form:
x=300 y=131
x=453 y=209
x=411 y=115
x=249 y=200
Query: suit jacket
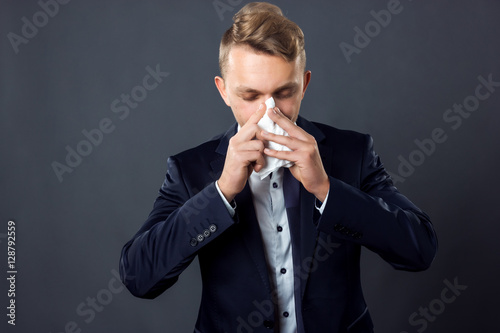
x=189 y=218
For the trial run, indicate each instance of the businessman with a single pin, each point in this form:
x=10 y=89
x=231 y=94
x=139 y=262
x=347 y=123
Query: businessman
x=278 y=254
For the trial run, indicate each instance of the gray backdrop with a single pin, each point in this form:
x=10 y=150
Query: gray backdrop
x=417 y=82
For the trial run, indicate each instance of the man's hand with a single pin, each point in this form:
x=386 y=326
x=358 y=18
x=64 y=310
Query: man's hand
x=244 y=154
x=308 y=168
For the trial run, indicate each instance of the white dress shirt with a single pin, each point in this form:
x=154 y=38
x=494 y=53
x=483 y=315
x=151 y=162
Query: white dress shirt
x=269 y=205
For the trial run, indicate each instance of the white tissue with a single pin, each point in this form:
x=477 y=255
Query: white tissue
x=272 y=163
x=270 y=103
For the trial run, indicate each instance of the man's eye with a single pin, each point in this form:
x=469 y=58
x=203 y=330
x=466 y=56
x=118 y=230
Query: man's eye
x=249 y=99
x=284 y=96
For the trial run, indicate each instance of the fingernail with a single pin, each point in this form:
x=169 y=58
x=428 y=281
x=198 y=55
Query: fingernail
x=260 y=106
x=278 y=111
x=264 y=133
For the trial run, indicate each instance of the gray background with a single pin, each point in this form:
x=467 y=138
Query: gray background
x=70 y=233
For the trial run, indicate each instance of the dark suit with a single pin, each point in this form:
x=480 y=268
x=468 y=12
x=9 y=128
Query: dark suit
x=363 y=208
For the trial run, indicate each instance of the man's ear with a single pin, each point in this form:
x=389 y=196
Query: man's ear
x=307 y=79
x=221 y=86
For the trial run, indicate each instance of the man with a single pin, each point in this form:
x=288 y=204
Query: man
x=281 y=253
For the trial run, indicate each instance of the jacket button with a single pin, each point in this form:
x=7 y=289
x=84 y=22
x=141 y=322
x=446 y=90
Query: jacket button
x=193 y=242
x=206 y=233
x=200 y=238
x=340 y=228
x=212 y=228
x=268 y=324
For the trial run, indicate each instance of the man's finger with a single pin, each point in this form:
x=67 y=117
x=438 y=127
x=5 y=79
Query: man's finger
x=252 y=145
x=254 y=119
x=259 y=163
x=286 y=141
x=282 y=155
x=293 y=130
x=250 y=129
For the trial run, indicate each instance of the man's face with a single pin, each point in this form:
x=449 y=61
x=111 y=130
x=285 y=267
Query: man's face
x=252 y=77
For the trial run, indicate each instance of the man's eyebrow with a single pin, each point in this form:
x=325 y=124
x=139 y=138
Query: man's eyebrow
x=244 y=89
x=290 y=85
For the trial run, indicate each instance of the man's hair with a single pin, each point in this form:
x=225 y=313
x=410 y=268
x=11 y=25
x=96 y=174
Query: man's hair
x=263 y=27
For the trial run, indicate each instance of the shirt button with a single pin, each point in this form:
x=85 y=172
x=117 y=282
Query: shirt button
x=275 y=185
x=268 y=324
x=280 y=229
x=285 y=314
x=283 y=271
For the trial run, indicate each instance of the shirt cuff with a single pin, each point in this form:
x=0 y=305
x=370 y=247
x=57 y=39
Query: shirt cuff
x=321 y=208
x=230 y=208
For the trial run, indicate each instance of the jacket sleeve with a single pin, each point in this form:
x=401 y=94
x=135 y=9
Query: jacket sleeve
x=181 y=223
x=378 y=217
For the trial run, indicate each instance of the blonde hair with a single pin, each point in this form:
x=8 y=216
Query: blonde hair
x=264 y=28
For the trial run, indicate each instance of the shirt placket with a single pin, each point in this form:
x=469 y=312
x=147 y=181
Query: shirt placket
x=283 y=273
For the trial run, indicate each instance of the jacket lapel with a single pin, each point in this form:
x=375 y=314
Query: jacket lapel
x=247 y=221
x=250 y=233
x=300 y=206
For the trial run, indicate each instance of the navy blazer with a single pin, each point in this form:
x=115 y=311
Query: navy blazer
x=189 y=218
